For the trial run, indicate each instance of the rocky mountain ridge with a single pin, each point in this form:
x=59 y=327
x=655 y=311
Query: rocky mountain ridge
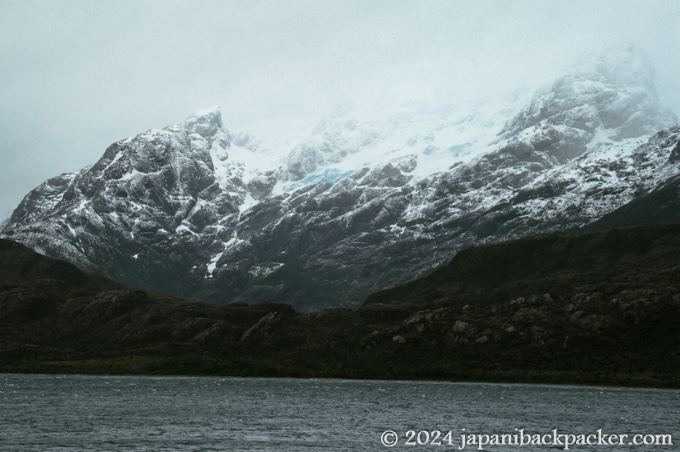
x=195 y=212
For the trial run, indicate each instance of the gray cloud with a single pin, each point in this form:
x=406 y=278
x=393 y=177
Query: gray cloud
x=76 y=75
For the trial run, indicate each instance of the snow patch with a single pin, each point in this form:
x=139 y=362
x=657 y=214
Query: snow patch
x=247 y=203
x=213 y=264
x=71 y=230
x=265 y=270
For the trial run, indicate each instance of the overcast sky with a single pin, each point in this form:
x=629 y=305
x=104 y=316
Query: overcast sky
x=77 y=75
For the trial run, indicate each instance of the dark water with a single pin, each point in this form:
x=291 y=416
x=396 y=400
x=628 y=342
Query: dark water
x=95 y=413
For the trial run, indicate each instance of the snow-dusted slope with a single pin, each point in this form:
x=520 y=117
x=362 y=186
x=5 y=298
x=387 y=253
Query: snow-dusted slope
x=354 y=205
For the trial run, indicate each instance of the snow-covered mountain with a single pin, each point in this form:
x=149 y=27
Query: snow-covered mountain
x=356 y=205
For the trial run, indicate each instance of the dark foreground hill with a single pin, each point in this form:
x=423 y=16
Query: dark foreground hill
x=600 y=307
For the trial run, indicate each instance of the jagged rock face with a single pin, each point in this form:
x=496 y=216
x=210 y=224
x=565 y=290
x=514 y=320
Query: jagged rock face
x=177 y=210
x=148 y=197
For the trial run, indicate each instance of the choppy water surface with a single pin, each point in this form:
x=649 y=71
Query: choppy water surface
x=100 y=413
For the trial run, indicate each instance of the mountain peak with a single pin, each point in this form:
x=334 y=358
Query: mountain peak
x=626 y=65
x=613 y=91
x=620 y=66
x=205 y=122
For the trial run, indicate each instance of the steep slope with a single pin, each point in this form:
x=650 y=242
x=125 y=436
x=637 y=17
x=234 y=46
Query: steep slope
x=660 y=205
x=356 y=206
x=563 y=264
